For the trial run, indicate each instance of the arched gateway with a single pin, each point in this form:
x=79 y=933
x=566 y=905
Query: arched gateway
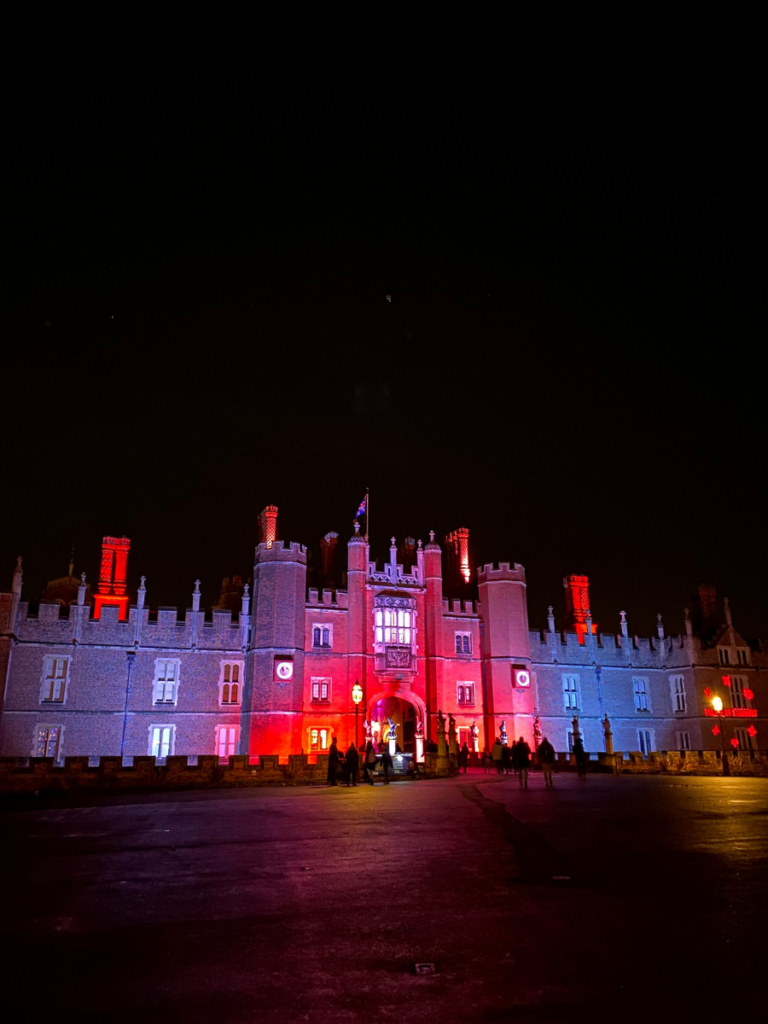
x=405 y=709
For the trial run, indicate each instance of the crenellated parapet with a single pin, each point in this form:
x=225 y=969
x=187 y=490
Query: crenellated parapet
x=333 y=599
x=281 y=551
x=492 y=573
x=456 y=606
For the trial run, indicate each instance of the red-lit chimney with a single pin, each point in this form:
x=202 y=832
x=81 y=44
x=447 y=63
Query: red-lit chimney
x=114 y=560
x=268 y=526
x=577 y=605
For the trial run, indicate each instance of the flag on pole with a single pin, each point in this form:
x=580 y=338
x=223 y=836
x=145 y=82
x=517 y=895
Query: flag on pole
x=363 y=506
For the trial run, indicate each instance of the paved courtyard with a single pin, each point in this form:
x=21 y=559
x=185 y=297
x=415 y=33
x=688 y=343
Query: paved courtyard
x=619 y=898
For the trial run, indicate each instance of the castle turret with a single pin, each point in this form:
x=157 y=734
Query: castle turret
x=275 y=667
x=433 y=629
x=509 y=690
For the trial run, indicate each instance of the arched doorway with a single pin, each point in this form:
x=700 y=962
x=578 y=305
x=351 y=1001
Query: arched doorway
x=405 y=710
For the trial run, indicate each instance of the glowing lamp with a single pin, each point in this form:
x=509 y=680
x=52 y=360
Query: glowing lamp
x=717 y=704
x=357 y=693
x=748 y=694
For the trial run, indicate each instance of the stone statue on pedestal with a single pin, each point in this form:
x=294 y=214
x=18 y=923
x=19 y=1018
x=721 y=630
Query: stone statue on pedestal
x=475 y=738
x=452 y=744
x=503 y=732
x=368 y=731
x=442 y=747
x=536 y=733
x=608 y=735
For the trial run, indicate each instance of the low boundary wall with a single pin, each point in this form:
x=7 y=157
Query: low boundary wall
x=29 y=775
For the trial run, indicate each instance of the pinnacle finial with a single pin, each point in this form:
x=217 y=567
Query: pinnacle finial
x=247 y=591
x=623 y=616
x=82 y=579
x=392 y=541
x=142 y=581
x=197 y=587
x=357 y=528
x=431 y=536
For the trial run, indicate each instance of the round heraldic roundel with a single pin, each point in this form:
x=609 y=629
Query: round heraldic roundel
x=522 y=677
x=285 y=670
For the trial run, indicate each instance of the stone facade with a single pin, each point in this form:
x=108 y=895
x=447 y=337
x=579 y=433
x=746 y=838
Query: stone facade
x=279 y=681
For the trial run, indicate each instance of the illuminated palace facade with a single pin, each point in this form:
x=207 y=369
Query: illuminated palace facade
x=274 y=671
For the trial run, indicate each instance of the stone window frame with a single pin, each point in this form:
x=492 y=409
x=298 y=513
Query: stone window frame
x=678 y=696
x=238 y=663
x=387 y=603
x=318 y=681
x=46 y=677
x=217 y=739
x=641 y=697
x=176 y=682
x=738 y=685
x=683 y=743
x=746 y=742
x=171 y=743
x=742 y=657
x=568 y=690
x=318 y=730
x=322 y=626
x=469 y=686
x=462 y=638
x=59 y=743
x=642 y=741
x=724 y=655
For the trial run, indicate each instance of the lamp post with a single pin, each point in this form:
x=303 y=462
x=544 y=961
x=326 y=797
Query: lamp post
x=717 y=704
x=357 y=696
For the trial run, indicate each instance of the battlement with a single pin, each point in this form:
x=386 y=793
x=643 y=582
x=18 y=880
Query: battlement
x=282 y=551
x=491 y=573
x=334 y=599
x=458 y=607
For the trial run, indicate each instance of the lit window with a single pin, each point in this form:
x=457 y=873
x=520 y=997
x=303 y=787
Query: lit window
x=321 y=689
x=161 y=740
x=230 y=682
x=677 y=692
x=571 y=692
x=318 y=739
x=48 y=741
x=465 y=693
x=165 y=687
x=683 y=740
x=393 y=624
x=54 y=682
x=463 y=643
x=738 y=697
x=645 y=741
x=724 y=656
x=640 y=691
x=322 y=635
x=226 y=740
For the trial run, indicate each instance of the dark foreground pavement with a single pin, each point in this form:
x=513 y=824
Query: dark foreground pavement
x=618 y=898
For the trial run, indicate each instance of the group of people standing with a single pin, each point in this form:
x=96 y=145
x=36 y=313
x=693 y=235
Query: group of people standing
x=517 y=759
x=349 y=762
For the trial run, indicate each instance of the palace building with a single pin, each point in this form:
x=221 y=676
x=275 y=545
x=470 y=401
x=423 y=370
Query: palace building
x=99 y=675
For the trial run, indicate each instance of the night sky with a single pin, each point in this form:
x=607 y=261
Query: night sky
x=569 y=362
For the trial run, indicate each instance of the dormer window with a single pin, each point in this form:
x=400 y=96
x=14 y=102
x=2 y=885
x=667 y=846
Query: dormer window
x=724 y=655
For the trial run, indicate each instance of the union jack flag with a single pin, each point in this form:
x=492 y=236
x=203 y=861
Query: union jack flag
x=361 y=510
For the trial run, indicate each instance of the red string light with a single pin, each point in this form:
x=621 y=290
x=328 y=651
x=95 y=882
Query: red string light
x=734 y=742
x=752 y=730
x=716 y=731
x=748 y=694
x=707 y=692
x=726 y=680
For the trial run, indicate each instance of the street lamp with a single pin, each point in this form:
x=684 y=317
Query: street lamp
x=717 y=704
x=357 y=696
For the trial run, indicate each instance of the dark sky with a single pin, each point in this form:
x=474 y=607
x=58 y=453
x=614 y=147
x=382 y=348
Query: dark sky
x=570 y=364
